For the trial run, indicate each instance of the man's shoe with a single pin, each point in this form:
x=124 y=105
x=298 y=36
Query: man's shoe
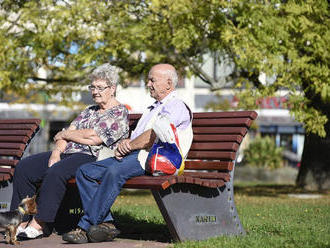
x=103 y=232
x=77 y=236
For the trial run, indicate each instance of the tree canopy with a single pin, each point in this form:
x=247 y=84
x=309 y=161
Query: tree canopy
x=286 y=40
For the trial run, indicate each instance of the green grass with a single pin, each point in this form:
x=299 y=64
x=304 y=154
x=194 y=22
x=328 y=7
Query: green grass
x=270 y=217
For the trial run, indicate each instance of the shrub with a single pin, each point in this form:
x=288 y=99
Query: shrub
x=262 y=152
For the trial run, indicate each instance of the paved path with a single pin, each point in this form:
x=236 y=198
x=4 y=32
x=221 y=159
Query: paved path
x=55 y=241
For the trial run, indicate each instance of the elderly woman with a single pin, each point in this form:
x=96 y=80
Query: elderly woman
x=102 y=124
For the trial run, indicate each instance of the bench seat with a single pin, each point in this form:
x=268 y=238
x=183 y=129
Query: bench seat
x=207 y=179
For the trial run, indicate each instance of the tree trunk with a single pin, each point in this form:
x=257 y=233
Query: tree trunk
x=314 y=172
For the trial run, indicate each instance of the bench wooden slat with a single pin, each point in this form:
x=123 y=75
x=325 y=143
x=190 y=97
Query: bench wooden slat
x=208 y=175
x=228 y=114
x=147 y=182
x=227 y=122
x=212 y=183
x=163 y=182
x=219 y=138
x=144 y=182
x=21 y=126
x=8 y=162
x=27 y=133
x=9 y=171
x=14 y=139
x=134 y=117
x=5 y=177
x=6 y=173
x=11 y=152
x=15 y=121
x=231 y=146
x=16 y=146
x=220 y=130
x=208 y=165
x=211 y=155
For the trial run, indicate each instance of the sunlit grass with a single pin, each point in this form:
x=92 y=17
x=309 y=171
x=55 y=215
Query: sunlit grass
x=270 y=217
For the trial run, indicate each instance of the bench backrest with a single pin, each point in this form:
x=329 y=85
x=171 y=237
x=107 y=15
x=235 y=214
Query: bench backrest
x=15 y=135
x=217 y=137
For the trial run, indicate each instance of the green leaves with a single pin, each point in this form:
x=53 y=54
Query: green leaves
x=289 y=41
x=262 y=152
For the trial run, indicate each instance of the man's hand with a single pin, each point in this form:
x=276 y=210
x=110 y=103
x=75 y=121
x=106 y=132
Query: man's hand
x=54 y=158
x=123 y=149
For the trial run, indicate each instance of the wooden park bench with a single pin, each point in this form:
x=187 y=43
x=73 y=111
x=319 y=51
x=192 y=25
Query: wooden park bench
x=15 y=135
x=200 y=203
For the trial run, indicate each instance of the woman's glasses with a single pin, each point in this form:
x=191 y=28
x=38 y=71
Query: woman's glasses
x=98 y=88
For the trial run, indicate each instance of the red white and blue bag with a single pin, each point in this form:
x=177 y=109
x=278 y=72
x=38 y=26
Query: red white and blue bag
x=165 y=156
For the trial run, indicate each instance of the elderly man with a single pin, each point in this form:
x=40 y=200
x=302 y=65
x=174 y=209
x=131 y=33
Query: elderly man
x=130 y=159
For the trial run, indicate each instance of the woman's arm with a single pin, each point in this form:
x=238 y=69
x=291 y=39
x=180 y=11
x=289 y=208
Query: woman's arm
x=82 y=136
x=59 y=148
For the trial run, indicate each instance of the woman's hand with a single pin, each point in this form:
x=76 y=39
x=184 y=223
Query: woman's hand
x=123 y=149
x=54 y=158
x=61 y=135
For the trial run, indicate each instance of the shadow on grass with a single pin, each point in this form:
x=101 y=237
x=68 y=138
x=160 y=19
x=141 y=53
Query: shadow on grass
x=271 y=190
x=136 y=192
x=131 y=228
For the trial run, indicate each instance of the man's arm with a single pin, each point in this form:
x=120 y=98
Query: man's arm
x=145 y=140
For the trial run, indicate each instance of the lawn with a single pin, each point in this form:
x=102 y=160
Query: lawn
x=269 y=215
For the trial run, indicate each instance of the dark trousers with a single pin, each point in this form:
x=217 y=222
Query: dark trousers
x=33 y=171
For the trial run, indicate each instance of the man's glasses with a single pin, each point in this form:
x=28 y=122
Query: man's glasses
x=98 y=88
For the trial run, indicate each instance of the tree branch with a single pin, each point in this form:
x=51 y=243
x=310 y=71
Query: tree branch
x=57 y=80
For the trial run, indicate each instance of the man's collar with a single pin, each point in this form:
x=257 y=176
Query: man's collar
x=171 y=95
x=154 y=105
x=157 y=103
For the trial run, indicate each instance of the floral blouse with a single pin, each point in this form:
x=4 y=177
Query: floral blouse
x=111 y=126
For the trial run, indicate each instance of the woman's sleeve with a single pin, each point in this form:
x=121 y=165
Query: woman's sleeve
x=81 y=116
x=113 y=126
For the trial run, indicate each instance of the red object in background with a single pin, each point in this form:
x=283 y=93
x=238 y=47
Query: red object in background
x=128 y=107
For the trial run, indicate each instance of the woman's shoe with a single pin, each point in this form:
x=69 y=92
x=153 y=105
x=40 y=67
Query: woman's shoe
x=19 y=230
x=30 y=233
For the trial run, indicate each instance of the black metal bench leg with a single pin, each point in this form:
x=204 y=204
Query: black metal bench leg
x=193 y=212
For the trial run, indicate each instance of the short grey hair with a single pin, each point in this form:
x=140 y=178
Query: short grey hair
x=106 y=72
x=171 y=74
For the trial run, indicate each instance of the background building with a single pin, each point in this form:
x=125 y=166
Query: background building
x=273 y=120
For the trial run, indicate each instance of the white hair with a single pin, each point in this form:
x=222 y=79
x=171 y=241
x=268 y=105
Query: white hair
x=106 y=72
x=171 y=74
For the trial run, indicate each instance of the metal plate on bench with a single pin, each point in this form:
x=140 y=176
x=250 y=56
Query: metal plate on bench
x=6 y=191
x=193 y=212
